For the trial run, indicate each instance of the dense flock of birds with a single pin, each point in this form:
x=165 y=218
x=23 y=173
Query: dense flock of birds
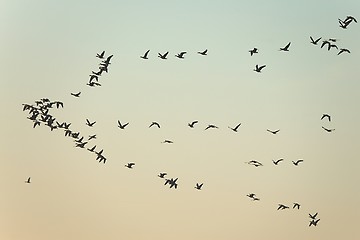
x=39 y=114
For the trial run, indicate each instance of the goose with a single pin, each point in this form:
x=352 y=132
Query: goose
x=325 y=115
x=315 y=42
x=235 y=129
x=198 y=186
x=203 y=52
x=180 y=55
x=273 y=132
x=101 y=55
x=90 y=124
x=163 y=56
x=253 y=51
x=130 y=165
x=192 y=124
x=154 y=124
x=122 y=126
x=297 y=162
x=76 y=94
x=286 y=48
x=145 y=55
x=259 y=68
x=277 y=161
x=210 y=126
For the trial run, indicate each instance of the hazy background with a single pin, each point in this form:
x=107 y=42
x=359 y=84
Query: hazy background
x=48 y=50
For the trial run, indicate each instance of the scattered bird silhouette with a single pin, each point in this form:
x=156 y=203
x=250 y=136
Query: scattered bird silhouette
x=180 y=55
x=130 y=165
x=90 y=124
x=210 y=126
x=145 y=55
x=203 y=52
x=277 y=161
x=167 y=141
x=154 y=124
x=122 y=126
x=259 y=68
x=253 y=51
x=313 y=216
x=296 y=163
x=91 y=149
x=343 y=50
x=254 y=163
x=315 y=42
x=192 y=124
x=163 y=56
x=76 y=94
x=273 y=132
x=282 y=207
x=101 y=55
x=198 y=186
x=172 y=182
x=325 y=115
x=296 y=205
x=162 y=175
x=328 y=129
x=92 y=137
x=286 y=48
x=235 y=129
x=314 y=222
x=28 y=180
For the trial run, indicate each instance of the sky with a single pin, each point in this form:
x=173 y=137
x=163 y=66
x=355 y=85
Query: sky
x=49 y=49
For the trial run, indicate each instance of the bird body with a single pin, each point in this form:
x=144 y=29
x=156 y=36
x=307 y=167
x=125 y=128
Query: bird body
x=259 y=68
x=286 y=48
x=163 y=56
x=192 y=124
x=203 y=52
x=198 y=186
x=235 y=129
x=145 y=55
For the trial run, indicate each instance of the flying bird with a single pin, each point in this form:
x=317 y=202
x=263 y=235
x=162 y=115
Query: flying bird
x=259 y=68
x=296 y=163
x=277 y=161
x=282 y=207
x=273 y=132
x=210 y=126
x=92 y=137
x=163 y=56
x=286 y=48
x=145 y=55
x=343 y=50
x=235 y=129
x=76 y=94
x=253 y=51
x=198 y=186
x=326 y=116
x=315 y=42
x=192 y=124
x=328 y=129
x=203 y=52
x=172 y=182
x=180 y=55
x=122 y=126
x=167 y=141
x=296 y=205
x=130 y=165
x=28 y=180
x=101 y=55
x=324 y=43
x=154 y=124
x=91 y=149
x=314 y=222
x=90 y=124
x=162 y=175
x=313 y=216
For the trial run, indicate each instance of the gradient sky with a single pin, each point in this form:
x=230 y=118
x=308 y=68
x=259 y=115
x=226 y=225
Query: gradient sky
x=48 y=50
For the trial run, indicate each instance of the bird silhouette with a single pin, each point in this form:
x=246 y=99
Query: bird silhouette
x=314 y=222
x=130 y=165
x=162 y=175
x=76 y=94
x=28 y=180
x=163 y=56
x=235 y=129
x=315 y=42
x=107 y=61
x=93 y=77
x=198 y=186
x=180 y=55
x=259 y=68
x=296 y=205
x=325 y=115
x=145 y=55
x=91 y=149
x=343 y=50
x=282 y=207
x=93 y=84
x=343 y=24
x=154 y=124
x=90 y=124
x=92 y=137
x=192 y=124
x=277 y=161
x=273 y=132
x=313 y=216
x=122 y=126
x=203 y=52
x=332 y=46
x=253 y=51
x=167 y=141
x=286 y=48
x=296 y=163
x=101 y=55
x=328 y=129
x=254 y=163
x=210 y=126
x=172 y=182
x=324 y=43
